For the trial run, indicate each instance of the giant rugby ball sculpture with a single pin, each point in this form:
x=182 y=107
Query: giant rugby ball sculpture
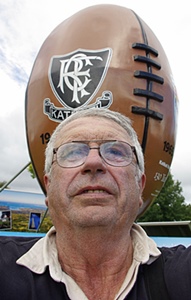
x=105 y=56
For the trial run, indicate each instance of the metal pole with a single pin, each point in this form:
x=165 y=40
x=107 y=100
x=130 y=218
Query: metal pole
x=7 y=183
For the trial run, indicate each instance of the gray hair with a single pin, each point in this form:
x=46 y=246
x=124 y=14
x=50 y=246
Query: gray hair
x=117 y=117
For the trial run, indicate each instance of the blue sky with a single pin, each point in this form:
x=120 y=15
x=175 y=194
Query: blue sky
x=22 y=197
x=24 y=26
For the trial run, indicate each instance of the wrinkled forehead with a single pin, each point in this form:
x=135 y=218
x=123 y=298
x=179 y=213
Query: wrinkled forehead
x=91 y=128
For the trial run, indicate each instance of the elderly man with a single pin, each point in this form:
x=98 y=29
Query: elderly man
x=94 y=177
x=94 y=185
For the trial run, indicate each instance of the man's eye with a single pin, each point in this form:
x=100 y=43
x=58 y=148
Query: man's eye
x=115 y=151
x=72 y=153
x=69 y=155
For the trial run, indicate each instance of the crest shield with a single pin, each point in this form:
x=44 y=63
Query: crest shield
x=76 y=77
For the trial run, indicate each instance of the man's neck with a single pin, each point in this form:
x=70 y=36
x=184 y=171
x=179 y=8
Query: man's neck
x=96 y=260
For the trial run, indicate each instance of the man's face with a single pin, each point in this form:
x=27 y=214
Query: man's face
x=95 y=193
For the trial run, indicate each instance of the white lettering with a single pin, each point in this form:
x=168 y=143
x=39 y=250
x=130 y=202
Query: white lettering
x=165 y=165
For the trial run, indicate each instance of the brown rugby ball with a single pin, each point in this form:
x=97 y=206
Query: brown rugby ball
x=105 y=56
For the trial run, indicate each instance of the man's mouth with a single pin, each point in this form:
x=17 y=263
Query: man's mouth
x=94 y=191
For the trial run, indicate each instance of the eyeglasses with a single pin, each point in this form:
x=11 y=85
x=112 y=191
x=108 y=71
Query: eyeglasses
x=114 y=153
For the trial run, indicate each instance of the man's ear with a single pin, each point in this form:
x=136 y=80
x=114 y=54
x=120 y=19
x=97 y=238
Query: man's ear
x=46 y=183
x=46 y=201
x=142 y=183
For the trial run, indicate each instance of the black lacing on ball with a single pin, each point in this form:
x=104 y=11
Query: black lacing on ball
x=148 y=75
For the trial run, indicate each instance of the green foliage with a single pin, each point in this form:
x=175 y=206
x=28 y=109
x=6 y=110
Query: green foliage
x=169 y=205
x=31 y=171
x=20 y=222
x=2 y=183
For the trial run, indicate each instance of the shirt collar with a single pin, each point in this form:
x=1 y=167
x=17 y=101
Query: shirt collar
x=44 y=253
x=145 y=249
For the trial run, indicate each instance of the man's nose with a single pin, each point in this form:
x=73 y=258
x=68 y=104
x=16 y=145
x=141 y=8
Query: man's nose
x=94 y=162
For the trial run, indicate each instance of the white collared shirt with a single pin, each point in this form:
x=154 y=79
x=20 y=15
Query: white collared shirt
x=44 y=253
